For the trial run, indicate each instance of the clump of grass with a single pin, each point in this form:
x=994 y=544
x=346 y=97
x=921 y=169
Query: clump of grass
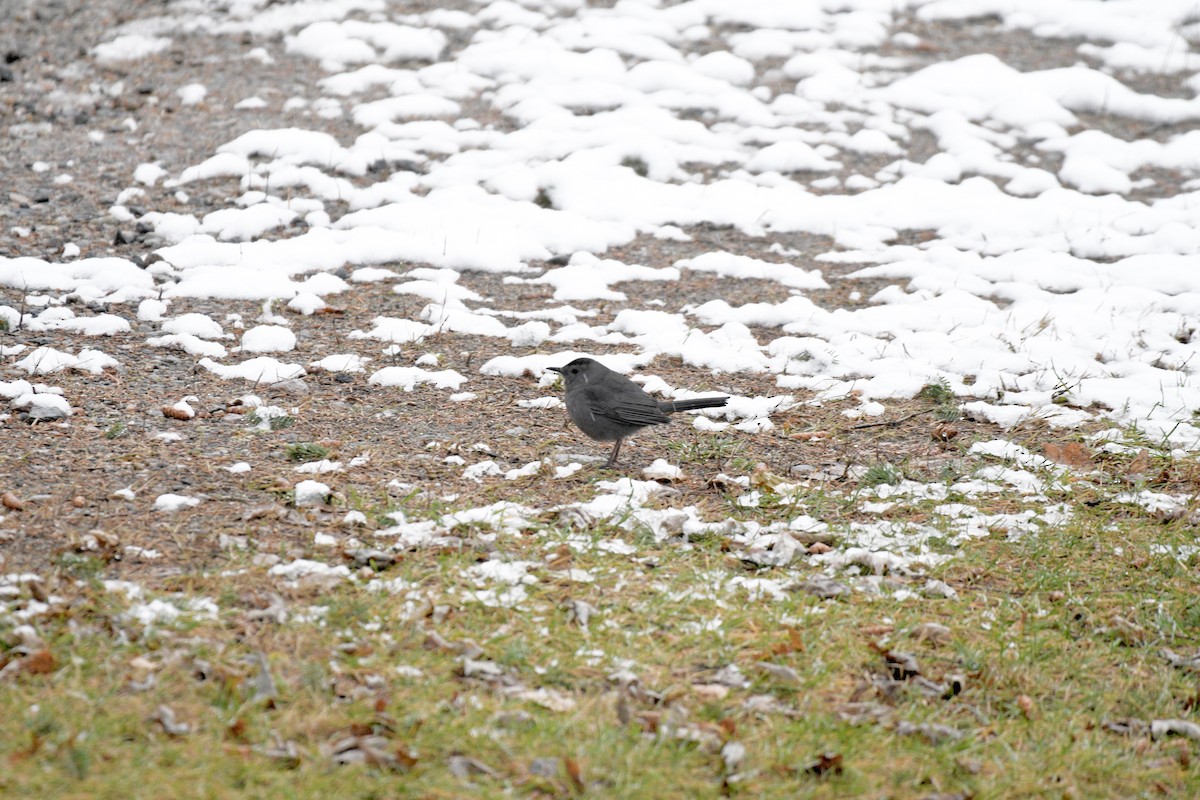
x=80 y=566
x=702 y=449
x=947 y=413
x=302 y=452
x=945 y=403
x=117 y=429
x=881 y=473
x=938 y=392
x=637 y=164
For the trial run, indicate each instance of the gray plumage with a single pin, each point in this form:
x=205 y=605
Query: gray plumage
x=607 y=406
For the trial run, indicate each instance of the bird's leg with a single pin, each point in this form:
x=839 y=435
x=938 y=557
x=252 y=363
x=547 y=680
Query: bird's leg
x=612 y=460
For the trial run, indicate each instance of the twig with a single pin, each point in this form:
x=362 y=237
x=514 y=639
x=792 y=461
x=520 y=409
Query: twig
x=890 y=423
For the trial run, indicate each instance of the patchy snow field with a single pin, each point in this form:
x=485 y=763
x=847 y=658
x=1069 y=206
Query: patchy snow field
x=1024 y=237
x=820 y=208
x=556 y=178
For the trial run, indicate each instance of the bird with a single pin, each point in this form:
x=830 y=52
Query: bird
x=607 y=406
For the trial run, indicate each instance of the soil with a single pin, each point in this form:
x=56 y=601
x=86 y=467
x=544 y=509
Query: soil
x=64 y=112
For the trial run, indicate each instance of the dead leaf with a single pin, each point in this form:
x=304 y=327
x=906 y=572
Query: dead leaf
x=236 y=729
x=284 y=752
x=263 y=684
x=544 y=767
x=552 y=699
x=823 y=586
x=580 y=611
x=561 y=558
x=41 y=662
x=825 y=764
x=575 y=773
x=267 y=510
x=860 y=713
x=943 y=432
x=372 y=750
x=934 y=733
x=405 y=757
x=1072 y=454
x=12 y=502
x=733 y=753
x=901 y=665
x=624 y=715
x=1190 y=663
x=710 y=692
x=1126 y=727
x=164 y=716
x=487 y=670
x=933 y=632
x=876 y=630
x=1140 y=465
x=465 y=767
x=779 y=672
x=176 y=412
x=1162 y=728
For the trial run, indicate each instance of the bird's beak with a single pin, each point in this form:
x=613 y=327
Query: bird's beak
x=555 y=369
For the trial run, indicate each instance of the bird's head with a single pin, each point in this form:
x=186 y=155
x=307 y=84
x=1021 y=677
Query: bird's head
x=580 y=371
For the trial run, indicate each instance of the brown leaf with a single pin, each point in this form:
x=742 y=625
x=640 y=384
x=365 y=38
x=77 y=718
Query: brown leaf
x=825 y=764
x=561 y=559
x=710 y=692
x=624 y=715
x=933 y=632
x=943 y=432
x=12 y=502
x=40 y=663
x=876 y=630
x=1140 y=464
x=236 y=729
x=404 y=757
x=1071 y=454
x=35 y=744
x=575 y=773
x=174 y=412
x=779 y=672
x=273 y=510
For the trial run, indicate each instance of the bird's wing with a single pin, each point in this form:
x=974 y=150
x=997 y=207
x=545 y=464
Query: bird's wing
x=627 y=410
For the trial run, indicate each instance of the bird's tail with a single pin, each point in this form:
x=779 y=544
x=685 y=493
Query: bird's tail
x=692 y=404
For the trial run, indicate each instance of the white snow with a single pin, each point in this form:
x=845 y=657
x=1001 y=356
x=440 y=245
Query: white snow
x=268 y=339
x=311 y=493
x=407 y=378
x=174 y=502
x=857 y=221
x=129 y=47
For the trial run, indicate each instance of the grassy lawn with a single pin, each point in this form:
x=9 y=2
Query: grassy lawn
x=676 y=670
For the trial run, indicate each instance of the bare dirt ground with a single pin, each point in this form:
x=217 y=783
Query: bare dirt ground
x=53 y=96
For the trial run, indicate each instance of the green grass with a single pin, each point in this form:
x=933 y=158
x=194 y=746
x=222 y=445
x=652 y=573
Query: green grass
x=306 y=451
x=1052 y=634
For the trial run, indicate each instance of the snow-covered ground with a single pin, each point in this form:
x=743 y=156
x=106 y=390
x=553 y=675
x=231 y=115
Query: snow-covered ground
x=1030 y=232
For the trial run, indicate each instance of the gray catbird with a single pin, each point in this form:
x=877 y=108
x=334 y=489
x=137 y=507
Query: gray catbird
x=607 y=406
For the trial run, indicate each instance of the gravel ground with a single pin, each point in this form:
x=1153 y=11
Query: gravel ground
x=75 y=131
